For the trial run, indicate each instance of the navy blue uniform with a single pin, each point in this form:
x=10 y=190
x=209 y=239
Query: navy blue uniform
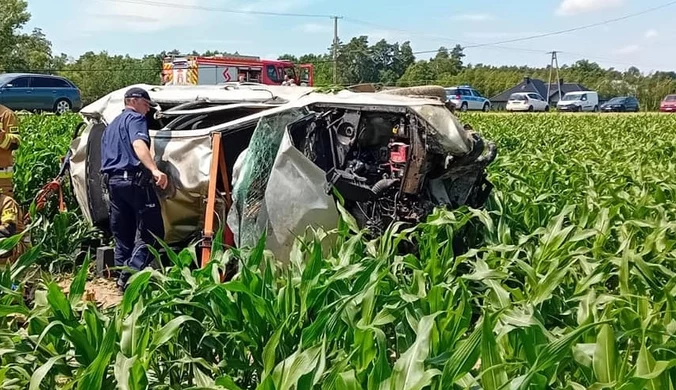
x=135 y=213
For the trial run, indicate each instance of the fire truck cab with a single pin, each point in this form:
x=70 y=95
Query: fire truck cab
x=196 y=70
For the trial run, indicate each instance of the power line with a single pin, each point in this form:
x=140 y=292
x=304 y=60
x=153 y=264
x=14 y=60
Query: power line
x=438 y=37
x=215 y=9
x=471 y=45
x=584 y=27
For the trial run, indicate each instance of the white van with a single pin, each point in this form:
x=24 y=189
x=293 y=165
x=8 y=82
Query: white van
x=579 y=101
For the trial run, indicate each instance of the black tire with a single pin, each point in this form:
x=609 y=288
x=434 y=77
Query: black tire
x=531 y=109
x=596 y=108
x=578 y=109
x=62 y=105
x=546 y=108
x=463 y=107
x=486 y=107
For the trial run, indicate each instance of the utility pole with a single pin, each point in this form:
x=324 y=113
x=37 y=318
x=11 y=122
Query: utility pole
x=554 y=61
x=335 y=48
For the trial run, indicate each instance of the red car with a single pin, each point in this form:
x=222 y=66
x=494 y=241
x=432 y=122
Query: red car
x=668 y=104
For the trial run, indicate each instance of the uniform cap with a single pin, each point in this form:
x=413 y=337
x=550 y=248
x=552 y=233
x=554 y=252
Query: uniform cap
x=136 y=92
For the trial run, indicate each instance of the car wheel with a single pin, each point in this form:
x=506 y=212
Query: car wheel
x=546 y=108
x=62 y=106
x=463 y=107
x=486 y=107
x=531 y=109
x=596 y=108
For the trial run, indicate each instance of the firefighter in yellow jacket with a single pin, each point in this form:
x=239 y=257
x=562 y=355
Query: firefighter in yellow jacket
x=11 y=218
x=9 y=141
x=11 y=223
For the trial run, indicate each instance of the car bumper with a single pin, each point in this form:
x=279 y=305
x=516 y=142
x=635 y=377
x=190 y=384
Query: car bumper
x=568 y=108
x=667 y=109
x=518 y=107
x=613 y=109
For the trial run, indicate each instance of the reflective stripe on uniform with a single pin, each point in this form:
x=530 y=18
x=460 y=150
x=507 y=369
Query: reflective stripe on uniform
x=6 y=173
x=8 y=139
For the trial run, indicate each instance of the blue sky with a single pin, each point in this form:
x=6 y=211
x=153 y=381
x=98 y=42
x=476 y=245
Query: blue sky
x=646 y=41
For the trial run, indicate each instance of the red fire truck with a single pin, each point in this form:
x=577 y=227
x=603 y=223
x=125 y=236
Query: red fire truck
x=196 y=70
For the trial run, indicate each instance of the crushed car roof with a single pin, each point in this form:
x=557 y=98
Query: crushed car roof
x=109 y=106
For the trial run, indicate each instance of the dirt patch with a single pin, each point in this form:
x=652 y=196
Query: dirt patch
x=103 y=292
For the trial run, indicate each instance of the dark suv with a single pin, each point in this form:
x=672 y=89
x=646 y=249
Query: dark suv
x=38 y=92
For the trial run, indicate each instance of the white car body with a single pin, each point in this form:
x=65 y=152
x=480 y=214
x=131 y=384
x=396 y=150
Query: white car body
x=579 y=101
x=527 y=101
x=293 y=194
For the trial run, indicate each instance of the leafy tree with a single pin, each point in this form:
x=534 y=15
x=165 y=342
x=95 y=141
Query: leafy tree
x=97 y=74
x=20 y=51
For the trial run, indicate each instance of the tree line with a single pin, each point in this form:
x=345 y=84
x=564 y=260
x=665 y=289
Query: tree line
x=358 y=61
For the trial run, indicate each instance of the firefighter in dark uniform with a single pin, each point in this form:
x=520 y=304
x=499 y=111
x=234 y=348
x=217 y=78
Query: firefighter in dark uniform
x=130 y=174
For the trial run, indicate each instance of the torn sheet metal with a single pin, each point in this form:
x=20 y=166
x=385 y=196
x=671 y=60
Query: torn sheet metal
x=185 y=159
x=278 y=190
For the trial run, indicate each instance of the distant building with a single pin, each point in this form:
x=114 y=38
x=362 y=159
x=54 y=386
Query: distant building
x=528 y=84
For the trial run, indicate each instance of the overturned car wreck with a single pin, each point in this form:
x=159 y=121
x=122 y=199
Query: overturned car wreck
x=285 y=155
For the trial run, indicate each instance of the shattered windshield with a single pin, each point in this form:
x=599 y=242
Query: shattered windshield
x=451 y=135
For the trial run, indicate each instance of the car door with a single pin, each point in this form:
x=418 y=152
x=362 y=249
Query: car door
x=634 y=104
x=17 y=94
x=586 y=105
x=476 y=100
x=540 y=101
x=45 y=92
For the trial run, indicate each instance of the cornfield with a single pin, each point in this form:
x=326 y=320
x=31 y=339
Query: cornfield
x=570 y=283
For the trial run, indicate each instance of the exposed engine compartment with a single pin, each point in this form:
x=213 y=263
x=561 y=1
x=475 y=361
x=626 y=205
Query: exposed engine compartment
x=382 y=165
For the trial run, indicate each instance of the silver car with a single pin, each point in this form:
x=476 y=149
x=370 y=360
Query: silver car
x=466 y=98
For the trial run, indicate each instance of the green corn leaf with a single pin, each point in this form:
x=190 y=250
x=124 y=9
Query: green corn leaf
x=288 y=372
x=92 y=378
x=129 y=374
x=348 y=381
x=647 y=368
x=40 y=373
x=169 y=331
x=270 y=350
x=77 y=287
x=227 y=383
x=605 y=355
x=464 y=357
x=136 y=284
x=409 y=370
x=59 y=303
x=493 y=376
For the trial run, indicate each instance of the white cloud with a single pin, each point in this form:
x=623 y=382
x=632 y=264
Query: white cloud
x=313 y=28
x=139 y=17
x=113 y=16
x=498 y=34
x=474 y=17
x=652 y=33
x=630 y=49
x=574 y=7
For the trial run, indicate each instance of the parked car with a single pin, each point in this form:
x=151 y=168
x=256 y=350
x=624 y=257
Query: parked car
x=527 y=101
x=39 y=92
x=668 y=104
x=466 y=98
x=579 y=101
x=621 y=104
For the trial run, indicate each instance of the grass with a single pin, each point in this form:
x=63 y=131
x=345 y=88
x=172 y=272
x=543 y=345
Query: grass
x=571 y=285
